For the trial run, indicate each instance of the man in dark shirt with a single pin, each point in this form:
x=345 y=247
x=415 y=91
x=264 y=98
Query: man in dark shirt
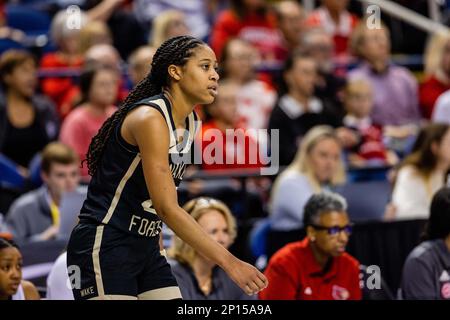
x=298 y=110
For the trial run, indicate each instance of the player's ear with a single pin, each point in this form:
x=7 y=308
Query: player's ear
x=174 y=72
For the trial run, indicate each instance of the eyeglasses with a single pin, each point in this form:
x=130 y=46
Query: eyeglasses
x=335 y=230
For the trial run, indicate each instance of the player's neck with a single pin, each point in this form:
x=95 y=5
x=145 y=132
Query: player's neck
x=181 y=105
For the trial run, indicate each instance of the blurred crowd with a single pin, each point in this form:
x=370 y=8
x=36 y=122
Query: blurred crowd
x=342 y=106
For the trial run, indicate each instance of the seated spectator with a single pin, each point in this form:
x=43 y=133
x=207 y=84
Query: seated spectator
x=167 y=25
x=317 y=166
x=98 y=86
x=422 y=173
x=28 y=122
x=290 y=21
x=94 y=33
x=12 y=287
x=198 y=14
x=140 y=63
x=35 y=215
x=319 y=45
x=68 y=55
x=426 y=273
x=220 y=149
x=102 y=54
x=370 y=151
x=437 y=72
x=253 y=22
x=255 y=98
x=317 y=267
x=197 y=277
x=298 y=110
x=58 y=280
x=395 y=88
x=334 y=18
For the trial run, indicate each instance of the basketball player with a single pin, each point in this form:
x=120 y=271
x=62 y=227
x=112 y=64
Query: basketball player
x=134 y=180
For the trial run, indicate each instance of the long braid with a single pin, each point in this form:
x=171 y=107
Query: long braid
x=174 y=51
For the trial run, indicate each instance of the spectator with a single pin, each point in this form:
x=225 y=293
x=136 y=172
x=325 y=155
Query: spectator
x=395 y=87
x=140 y=63
x=68 y=56
x=316 y=268
x=290 y=21
x=126 y=31
x=102 y=54
x=298 y=110
x=98 y=85
x=12 y=287
x=317 y=166
x=167 y=25
x=426 y=273
x=27 y=120
x=333 y=17
x=198 y=13
x=255 y=98
x=229 y=152
x=251 y=21
x=370 y=151
x=319 y=45
x=94 y=33
x=437 y=69
x=422 y=173
x=197 y=277
x=35 y=215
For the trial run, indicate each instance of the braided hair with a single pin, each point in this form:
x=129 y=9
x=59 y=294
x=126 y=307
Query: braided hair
x=175 y=51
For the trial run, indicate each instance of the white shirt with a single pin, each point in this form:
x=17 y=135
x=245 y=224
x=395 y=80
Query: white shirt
x=58 y=280
x=441 y=111
x=412 y=194
x=20 y=294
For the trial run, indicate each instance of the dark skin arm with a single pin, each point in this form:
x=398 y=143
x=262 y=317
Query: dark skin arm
x=146 y=128
x=30 y=291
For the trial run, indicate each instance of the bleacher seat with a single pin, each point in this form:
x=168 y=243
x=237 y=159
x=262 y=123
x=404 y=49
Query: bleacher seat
x=366 y=199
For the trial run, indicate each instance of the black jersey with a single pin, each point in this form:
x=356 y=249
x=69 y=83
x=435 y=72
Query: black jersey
x=117 y=194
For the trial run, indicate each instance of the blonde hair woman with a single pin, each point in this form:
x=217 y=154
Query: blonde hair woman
x=170 y=23
x=93 y=33
x=317 y=166
x=198 y=277
x=437 y=73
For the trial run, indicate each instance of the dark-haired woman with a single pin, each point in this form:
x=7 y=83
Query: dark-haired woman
x=422 y=173
x=136 y=162
x=28 y=122
x=12 y=287
x=426 y=274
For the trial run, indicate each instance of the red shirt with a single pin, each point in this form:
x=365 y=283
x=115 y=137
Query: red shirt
x=429 y=91
x=340 y=33
x=258 y=30
x=58 y=88
x=294 y=274
x=224 y=151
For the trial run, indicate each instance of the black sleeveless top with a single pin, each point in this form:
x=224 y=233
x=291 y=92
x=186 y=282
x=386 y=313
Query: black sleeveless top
x=117 y=194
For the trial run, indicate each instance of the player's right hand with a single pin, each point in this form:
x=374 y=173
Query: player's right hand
x=246 y=276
